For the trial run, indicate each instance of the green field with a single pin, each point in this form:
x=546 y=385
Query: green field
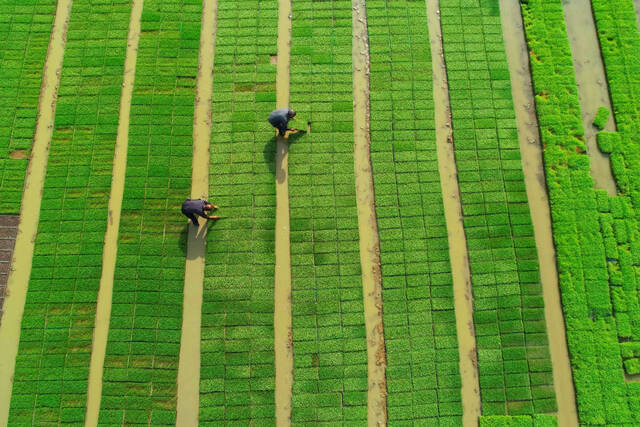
x=515 y=364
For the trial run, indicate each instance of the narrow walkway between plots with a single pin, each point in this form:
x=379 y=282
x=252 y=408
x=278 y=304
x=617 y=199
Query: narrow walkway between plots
x=282 y=293
x=189 y=364
x=636 y=3
x=462 y=293
x=109 y=252
x=533 y=168
x=30 y=211
x=367 y=222
x=593 y=90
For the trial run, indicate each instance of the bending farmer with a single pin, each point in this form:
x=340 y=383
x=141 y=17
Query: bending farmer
x=193 y=207
x=279 y=119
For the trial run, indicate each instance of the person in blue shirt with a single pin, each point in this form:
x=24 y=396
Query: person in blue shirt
x=193 y=207
x=279 y=119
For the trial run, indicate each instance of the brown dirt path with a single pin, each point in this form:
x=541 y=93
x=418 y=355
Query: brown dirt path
x=593 y=89
x=463 y=294
x=282 y=323
x=367 y=222
x=109 y=252
x=188 y=404
x=533 y=168
x=20 y=272
x=8 y=232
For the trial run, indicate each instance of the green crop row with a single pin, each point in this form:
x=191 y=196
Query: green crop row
x=24 y=33
x=588 y=227
x=514 y=365
x=330 y=359
x=237 y=378
x=141 y=363
x=52 y=365
x=423 y=379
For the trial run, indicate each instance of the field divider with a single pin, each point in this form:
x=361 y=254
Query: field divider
x=533 y=168
x=282 y=322
x=367 y=221
x=189 y=363
x=458 y=252
x=110 y=250
x=593 y=88
x=636 y=4
x=18 y=280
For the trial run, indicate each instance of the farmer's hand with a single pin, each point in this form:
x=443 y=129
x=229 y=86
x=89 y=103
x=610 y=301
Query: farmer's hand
x=214 y=217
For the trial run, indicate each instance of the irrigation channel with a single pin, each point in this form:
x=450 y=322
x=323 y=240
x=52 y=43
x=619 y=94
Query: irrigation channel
x=18 y=279
x=189 y=363
x=533 y=168
x=463 y=295
x=636 y=3
x=282 y=322
x=105 y=293
x=593 y=89
x=367 y=221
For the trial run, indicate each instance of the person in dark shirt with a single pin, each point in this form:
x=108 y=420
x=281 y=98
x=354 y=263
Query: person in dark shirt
x=193 y=207
x=279 y=119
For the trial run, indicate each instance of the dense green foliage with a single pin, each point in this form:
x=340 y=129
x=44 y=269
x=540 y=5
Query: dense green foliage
x=52 y=366
x=237 y=356
x=330 y=360
x=141 y=361
x=539 y=420
x=587 y=249
x=423 y=378
x=601 y=118
x=24 y=33
x=513 y=357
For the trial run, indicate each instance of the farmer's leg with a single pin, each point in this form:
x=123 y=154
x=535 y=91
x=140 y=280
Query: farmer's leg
x=193 y=219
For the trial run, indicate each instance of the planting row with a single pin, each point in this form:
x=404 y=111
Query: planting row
x=514 y=365
x=140 y=368
x=423 y=379
x=603 y=396
x=330 y=359
x=237 y=375
x=24 y=33
x=52 y=365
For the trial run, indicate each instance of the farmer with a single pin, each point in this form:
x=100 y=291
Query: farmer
x=193 y=207
x=279 y=119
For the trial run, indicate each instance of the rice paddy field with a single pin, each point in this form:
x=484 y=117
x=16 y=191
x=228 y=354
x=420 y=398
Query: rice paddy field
x=450 y=238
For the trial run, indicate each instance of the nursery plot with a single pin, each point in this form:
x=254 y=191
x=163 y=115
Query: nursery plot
x=593 y=90
x=581 y=250
x=620 y=216
x=144 y=334
x=24 y=32
x=513 y=356
x=53 y=361
x=8 y=231
x=330 y=359
x=237 y=373
x=423 y=377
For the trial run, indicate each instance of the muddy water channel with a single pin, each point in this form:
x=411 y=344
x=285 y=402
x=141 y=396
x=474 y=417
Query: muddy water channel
x=593 y=90
x=533 y=168
x=636 y=3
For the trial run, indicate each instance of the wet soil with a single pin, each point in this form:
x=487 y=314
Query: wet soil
x=593 y=89
x=463 y=295
x=533 y=168
x=8 y=233
x=282 y=323
x=367 y=221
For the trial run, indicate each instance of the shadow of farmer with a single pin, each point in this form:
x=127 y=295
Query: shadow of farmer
x=271 y=150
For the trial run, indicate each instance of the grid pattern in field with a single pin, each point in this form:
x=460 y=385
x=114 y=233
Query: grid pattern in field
x=423 y=379
x=330 y=360
x=24 y=33
x=237 y=377
x=52 y=365
x=144 y=335
x=513 y=358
